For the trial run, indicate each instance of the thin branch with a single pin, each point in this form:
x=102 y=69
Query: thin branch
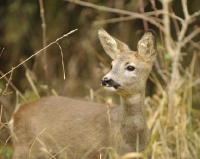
x=38 y=53
x=1 y=51
x=189 y=37
x=160 y=71
x=195 y=14
x=166 y=23
x=12 y=85
x=185 y=24
x=8 y=83
x=144 y=16
x=43 y=23
x=183 y=31
x=46 y=66
x=195 y=44
x=176 y=26
x=156 y=12
x=164 y=77
x=185 y=9
x=194 y=83
x=108 y=9
x=118 y=11
x=132 y=15
x=120 y=19
x=145 y=24
x=162 y=12
x=114 y=20
x=1 y=113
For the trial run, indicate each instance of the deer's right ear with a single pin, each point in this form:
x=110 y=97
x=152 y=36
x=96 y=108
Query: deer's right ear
x=147 y=46
x=112 y=46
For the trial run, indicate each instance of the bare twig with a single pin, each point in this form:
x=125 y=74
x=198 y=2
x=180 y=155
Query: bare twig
x=163 y=12
x=1 y=113
x=175 y=21
x=20 y=94
x=195 y=44
x=118 y=11
x=193 y=84
x=169 y=43
x=189 y=37
x=185 y=9
x=195 y=14
x=46 y=69
x=38 y=53
x=156 y=12
x=7 y=84
x=166 y=23
x=145 y=24
x=1 y=51
x=43 y=23
x=185 y=24
x=161 y=73
x=108 y=9
x=114 y=20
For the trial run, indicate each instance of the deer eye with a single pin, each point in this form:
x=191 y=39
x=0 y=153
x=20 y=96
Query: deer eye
x=130 y=68
x=111 y=66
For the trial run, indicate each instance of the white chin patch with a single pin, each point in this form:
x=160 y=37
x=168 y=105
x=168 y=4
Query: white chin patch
x=110 y=88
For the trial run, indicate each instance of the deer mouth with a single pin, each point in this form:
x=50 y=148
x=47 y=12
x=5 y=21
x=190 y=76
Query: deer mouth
x=109 y=83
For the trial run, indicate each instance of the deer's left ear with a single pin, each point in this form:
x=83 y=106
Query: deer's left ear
x=147 y=46
x=111 y=45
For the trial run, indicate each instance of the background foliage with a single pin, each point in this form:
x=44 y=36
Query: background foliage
x=173 y=89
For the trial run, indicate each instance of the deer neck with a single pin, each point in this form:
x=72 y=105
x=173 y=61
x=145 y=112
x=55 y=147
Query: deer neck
x=133 y=121
x=133 y=105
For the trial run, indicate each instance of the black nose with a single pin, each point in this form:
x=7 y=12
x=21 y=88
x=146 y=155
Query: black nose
x=106 y=82
x=109 y=83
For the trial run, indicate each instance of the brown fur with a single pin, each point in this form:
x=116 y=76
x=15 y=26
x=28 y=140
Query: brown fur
x=67 y=128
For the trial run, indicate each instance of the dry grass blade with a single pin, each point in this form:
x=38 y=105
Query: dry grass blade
x=7 y=84
x=65 y=35
x=32 y=84
x=1 y=52
x=58 y=153
x=63 y=65
x=36 y=138
x=1 y=113
x=15 y=88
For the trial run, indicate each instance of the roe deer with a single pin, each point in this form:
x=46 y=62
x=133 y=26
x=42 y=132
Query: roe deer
x=59 y=127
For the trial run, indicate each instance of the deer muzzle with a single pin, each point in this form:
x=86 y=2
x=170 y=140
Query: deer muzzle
x=106 y=82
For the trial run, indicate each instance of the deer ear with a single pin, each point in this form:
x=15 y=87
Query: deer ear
x=147 y=46
x=111 y=45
